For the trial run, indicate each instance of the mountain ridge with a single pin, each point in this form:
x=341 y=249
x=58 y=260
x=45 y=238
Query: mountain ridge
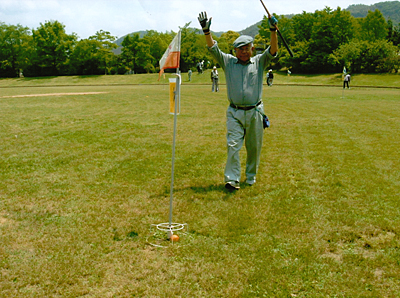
x=389 y=9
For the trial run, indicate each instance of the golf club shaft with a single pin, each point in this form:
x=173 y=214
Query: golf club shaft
x=279 y=32
x=269 y=15
x=285 y=43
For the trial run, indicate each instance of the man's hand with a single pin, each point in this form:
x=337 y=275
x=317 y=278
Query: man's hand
x=204 y=22
x=273 y=22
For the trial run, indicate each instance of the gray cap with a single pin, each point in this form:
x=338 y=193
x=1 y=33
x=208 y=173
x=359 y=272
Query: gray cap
x=242 y=41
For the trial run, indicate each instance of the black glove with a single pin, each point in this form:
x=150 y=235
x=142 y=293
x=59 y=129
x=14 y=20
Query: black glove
x=204 y=22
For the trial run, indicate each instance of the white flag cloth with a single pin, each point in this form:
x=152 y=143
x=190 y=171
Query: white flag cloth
x=171 y=57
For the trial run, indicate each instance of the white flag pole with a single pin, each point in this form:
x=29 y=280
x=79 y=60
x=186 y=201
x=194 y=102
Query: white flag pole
x=177 y=99
x=177 y=102
x=170 y=227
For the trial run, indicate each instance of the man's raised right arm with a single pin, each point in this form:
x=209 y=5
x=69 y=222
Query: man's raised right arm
x=205 y=24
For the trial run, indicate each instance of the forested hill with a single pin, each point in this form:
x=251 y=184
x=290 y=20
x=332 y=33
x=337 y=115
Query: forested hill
x=389 y=9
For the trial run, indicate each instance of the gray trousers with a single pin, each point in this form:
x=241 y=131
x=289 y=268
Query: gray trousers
x=215 y=85
x=243 y=127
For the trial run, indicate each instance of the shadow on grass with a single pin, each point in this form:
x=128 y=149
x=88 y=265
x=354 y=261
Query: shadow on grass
x=201 y=190
x=217 y=187
x=209 y=188
x=88 y=76
x=214 y=188
x=39 y=78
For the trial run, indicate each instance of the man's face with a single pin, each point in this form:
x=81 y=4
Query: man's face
x=245 y=52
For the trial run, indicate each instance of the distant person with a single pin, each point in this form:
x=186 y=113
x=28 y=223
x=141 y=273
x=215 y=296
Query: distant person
x=346 y=81
x=289 y=73
x=190 y=74
x=199 y=68
x=270 y=77
x=214 y=79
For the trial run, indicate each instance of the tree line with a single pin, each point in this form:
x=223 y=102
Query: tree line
x=328 y=40
x=323 y=42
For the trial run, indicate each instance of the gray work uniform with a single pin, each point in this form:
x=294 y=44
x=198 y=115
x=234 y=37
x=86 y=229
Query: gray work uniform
x=244 y=88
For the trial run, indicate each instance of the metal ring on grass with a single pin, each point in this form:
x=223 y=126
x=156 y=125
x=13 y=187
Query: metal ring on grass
x=167 y=227
x=160 y=241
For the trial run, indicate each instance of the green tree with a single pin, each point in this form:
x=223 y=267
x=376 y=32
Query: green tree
x=343 y=27
x=158 y=42
x=193 y=48
x=390 y=30
x=52 y=48
x=393 y=33
x=105 y=45
x=285 y=26
x=142 y=54
x=15 y=44
x=262 y=40
x=364 y=56
x=373 y=26
x=130 y=50
x=302 y=25
x=396 y=35
x=297 y=32
x=154 y=46
x=143 y=57
x=259 y=43
x=85 y=59
x=225 y=42
x=317 y=35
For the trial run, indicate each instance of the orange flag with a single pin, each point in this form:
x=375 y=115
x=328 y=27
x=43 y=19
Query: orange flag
x=171 y=57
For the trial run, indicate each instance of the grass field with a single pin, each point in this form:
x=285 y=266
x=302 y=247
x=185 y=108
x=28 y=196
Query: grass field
x=86 y=168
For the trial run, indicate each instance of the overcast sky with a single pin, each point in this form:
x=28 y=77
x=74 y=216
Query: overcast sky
x=120 y=17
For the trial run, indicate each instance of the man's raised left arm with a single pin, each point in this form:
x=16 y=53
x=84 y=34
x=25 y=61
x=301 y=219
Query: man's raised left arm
x=274 y=35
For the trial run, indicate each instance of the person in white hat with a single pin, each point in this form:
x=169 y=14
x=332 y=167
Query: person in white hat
x=214 y=79
x=270 y=77
x=244 y=81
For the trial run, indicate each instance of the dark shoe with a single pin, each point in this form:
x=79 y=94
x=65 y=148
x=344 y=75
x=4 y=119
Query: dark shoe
x=232 y=186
